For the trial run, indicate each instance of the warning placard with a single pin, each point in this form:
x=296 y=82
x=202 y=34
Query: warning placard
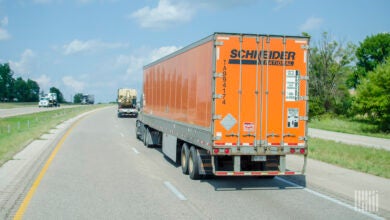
x=249 y=127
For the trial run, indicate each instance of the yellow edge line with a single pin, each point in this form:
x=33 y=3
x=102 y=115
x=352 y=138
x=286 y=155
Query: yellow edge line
x=22 y=208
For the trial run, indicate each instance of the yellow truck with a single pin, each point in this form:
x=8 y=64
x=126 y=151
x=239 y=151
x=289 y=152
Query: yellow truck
x=127 y=102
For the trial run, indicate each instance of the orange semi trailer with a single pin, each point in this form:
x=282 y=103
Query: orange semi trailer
x=229 y=105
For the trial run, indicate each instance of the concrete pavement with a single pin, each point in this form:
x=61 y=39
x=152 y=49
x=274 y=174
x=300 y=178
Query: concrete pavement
x=342 y=183
x=351 y=138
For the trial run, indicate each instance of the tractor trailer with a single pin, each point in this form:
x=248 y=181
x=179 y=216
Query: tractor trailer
x=127 y=102
x=229 y=105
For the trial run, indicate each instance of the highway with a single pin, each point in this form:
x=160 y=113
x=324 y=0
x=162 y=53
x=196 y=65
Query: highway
x=99 y=170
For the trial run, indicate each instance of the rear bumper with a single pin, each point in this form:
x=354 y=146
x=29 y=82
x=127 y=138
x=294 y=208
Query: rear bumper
x=256 y=173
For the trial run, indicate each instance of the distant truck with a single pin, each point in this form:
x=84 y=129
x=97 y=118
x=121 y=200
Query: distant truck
x=229 y=105
x=88 y=99
x=127 y=102
x=48 y=100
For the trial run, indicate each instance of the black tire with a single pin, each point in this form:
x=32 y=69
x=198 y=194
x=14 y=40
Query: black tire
x=185 y=153
x=137 y=131
x=193 y=164
x=145 y=130
x=147 y=137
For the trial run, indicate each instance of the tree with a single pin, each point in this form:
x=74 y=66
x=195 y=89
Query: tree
x=6 y=82
x=33 y=91
x=60 y=97
x=77 y=98
x=21 y=90
x=372 y=51
x=373 y=96
x=329 y=66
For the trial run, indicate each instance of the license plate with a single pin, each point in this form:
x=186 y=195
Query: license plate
x=259 y=158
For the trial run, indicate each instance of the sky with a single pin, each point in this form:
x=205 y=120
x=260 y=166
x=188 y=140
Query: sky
x=97 y=46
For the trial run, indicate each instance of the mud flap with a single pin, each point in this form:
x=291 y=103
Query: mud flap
x=205 y=166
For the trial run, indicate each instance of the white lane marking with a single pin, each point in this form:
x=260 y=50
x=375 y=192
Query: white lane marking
x=330 y=199
x=135 y=151
x=122 y=134
x=174 y=190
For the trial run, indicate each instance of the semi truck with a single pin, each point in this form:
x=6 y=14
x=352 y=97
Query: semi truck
x=48 y=100
x=229 y=105
x=127 y=102
x=88 y=99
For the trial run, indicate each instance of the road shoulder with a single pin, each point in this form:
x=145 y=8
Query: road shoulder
x=342 y=182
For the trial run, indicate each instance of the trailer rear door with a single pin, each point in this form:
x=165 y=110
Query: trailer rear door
x=260 y=90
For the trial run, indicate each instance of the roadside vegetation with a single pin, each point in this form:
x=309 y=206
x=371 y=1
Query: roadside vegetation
x=363 y=159
x=18 y=131
x=349 y=126
x=351 y=82
x=8 y=105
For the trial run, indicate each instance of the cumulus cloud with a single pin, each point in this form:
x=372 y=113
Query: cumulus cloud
x=23 y=65
x=162 y=51
x=44 y=82
x=134 y=64
x=281 y=4
x=167 y=13
x=311 y=24
x=74 y=84
x=77 y=46
x=4 y=35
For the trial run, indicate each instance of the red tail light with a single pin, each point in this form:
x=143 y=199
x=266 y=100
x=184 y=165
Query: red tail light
x=216 y=150
x=227 y=150
x=292 y=150
x=302 y=150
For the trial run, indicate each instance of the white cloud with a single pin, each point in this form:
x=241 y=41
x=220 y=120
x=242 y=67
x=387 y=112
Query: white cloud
x=4 y=35
x=75 y=85
x=77 y=46
x=169 y=13
x=4 y=21
x=166 y=14
x=23 y=65
x=311 y=23
x=162 y=51
x=44 y=82
x=282 y=3
x=134 y=64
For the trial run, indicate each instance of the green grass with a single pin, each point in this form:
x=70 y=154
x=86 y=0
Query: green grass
x=16 y=132
x=363 y=159
x=347 y=126
x=8 y=105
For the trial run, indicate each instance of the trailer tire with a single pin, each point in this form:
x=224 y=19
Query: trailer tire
x=193 y=164
x=147 y=138
x=184 y=156
x=145 y=130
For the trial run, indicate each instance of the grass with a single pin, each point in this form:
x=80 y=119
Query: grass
x=347 y=126
x=16 y=132
x=363 y=159
x=7 y=105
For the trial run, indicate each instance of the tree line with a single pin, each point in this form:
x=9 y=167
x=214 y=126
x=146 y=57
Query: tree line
x=351 y=80
x=20 y=90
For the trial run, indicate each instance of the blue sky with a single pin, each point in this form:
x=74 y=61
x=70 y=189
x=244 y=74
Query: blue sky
x=98 y=46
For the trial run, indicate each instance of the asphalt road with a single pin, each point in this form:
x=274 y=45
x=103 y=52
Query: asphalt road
x=351 y=138
x=102 y=172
